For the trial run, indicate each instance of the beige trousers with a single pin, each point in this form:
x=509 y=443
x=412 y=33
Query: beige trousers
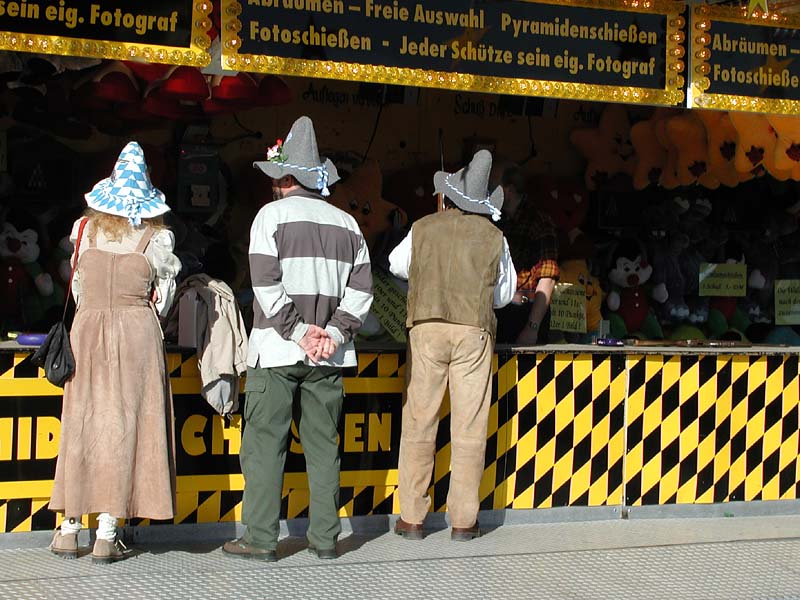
x=461 y=355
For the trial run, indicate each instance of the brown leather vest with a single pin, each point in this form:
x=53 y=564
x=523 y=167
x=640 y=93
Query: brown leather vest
x=454 y=266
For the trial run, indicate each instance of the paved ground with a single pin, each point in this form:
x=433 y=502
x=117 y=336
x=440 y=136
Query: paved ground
x=675 y=558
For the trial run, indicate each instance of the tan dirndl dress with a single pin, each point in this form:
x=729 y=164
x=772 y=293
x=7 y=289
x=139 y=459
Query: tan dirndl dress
x=116 y=451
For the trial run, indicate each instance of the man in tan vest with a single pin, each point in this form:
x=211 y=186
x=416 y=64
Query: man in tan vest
x=459 y=269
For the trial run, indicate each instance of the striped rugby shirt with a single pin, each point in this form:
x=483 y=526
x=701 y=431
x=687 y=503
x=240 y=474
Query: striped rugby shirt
x=309 y=263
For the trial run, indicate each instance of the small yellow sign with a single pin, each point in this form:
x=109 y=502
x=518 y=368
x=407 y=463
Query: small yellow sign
x=568 y=308
x=389 y=304
x=723 y=279
x=787 y=302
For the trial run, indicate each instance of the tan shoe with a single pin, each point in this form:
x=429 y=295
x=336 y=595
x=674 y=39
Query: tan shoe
x=105 y=552
x=65 y=546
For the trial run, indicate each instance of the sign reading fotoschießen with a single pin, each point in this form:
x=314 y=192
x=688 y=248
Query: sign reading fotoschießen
x=606 y=50
x=163 y=31
x=744 y=63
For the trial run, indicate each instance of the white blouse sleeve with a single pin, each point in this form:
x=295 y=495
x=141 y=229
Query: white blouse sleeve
x=76 y=280
x=166 y=265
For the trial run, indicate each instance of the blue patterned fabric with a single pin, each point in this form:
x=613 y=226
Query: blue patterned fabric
x=128 y=192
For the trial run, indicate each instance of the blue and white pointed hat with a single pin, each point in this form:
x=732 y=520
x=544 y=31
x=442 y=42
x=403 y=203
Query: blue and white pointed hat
x=128 y=192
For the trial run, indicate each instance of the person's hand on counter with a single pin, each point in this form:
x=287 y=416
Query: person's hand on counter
x=529 y=336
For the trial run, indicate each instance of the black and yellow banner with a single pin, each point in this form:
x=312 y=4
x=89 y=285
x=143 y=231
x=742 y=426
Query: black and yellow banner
x=169 y=32
x=744 y=62
x=610 y=50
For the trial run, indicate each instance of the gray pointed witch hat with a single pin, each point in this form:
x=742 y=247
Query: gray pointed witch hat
x=298 y=156
x=469 y=187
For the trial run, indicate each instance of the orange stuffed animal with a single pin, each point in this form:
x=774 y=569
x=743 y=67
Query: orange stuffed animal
x=756 y=145
x=607 y=148
x=651 y=156
x=687 y=133
x=721 y=137
x=787 y=148
x=360 y=195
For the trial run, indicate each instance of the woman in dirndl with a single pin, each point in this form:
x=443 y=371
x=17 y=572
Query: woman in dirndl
x=116 y=455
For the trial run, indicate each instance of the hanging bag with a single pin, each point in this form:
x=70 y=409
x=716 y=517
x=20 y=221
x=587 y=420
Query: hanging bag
x=55 y=354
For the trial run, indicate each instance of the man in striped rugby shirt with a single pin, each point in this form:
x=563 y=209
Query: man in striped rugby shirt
x=311 y=276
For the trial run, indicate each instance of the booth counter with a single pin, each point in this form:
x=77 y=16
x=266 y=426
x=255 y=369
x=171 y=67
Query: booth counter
x=569 y=426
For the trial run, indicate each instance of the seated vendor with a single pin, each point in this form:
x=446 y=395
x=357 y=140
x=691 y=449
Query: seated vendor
x=532 y=239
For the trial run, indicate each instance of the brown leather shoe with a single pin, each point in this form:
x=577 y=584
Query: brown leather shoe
x=65 y=546
x=465 y=534
x=105 y=552
x=408 y=530
x=241 y=549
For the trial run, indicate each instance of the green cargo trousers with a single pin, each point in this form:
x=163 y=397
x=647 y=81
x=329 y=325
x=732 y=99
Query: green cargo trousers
x=269 y=394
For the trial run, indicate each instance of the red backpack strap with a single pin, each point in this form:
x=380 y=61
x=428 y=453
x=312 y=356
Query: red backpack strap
x=81 y=227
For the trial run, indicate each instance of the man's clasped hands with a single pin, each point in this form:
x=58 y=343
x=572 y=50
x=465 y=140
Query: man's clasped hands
x=318 y=344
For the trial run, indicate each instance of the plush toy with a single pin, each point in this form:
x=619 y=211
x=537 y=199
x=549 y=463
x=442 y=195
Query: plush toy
x=360 y=195
x=607 y=148
x=566 y=201
x=412 y=189
x=576 y=271
x=29 y=298
x=704 y=244
x=666 y=244
x=787 y=148
x=669 y=172
x=726 y=312
x=721 y=137
x=651 y=155
x=629 y=299
x=688 y=134
x=756 y=145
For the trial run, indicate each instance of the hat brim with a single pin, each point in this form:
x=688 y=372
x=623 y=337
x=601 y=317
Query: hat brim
x=102 y=200
x=307 y=179
x=440 y=187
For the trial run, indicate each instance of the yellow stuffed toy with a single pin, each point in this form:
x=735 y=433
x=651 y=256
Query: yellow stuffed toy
x=576 y=271
x=607 y=148
x=787 y=148
x=756 y=145
x=688 y=134
x=721 y=137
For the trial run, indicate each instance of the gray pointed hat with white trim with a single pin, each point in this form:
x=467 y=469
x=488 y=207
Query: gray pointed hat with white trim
x=469 y=187
x=298 y=156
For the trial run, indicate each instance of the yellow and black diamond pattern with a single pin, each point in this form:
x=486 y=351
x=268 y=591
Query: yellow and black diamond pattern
x=712 y=428
x=568 y=430
x=577 y=429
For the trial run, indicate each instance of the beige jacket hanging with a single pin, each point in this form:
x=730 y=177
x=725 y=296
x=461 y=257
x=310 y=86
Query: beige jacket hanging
x=221 y=340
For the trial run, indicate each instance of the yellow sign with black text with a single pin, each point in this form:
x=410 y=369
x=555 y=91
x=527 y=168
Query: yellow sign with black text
x=723 y=279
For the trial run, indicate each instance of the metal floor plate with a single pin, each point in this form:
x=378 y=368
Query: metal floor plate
x=741 y=558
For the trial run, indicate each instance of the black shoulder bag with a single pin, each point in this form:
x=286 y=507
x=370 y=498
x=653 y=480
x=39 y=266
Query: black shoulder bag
x=55 y=354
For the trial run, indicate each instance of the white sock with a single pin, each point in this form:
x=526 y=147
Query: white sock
x=70 y=525
x=106 y=527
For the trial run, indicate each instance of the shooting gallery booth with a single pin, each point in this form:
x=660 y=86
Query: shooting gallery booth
x=657 y=136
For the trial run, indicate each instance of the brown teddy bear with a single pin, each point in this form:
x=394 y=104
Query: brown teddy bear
x=607 y=148
x=360 y=195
